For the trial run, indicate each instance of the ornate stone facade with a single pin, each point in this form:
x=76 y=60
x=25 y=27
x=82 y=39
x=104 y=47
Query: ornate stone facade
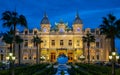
x=62 y=40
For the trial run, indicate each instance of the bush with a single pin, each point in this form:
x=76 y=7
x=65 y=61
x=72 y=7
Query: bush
x=118 y=71
x=46 y=71
x=27 y=70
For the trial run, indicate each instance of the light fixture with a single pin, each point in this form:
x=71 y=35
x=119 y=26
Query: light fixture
x=117 y=57
x=7 y=58
x=10 y=54
x=13 y=58
x=110 y=57
x=113 y=53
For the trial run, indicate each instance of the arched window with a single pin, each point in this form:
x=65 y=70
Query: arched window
x=61 y=30
x=26 y=32
x=35 y=32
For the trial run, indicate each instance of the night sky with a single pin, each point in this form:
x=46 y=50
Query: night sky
x=90 y=11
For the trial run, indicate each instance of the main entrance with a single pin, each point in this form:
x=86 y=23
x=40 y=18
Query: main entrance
x=69 y=54
x=54 y=55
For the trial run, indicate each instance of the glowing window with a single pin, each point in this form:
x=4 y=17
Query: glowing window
x=45 y=30
x=53 y=43
x=61 y=42
x=78 y=29
x=70 y=42
x=61 y=30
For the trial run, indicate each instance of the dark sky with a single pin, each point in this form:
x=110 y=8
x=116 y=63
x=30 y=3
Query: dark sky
x=90 y=11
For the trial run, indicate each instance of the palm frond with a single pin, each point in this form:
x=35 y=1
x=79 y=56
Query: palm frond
x=6 y=15
x=36 y=40
x=18 y=39
x=23 y=21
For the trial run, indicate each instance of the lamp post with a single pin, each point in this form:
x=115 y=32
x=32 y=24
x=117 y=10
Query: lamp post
x=42 y=58
x=11 y=59
x=113 y=59
x=82 y=58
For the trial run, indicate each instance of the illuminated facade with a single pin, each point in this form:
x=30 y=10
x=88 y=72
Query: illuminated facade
x=62 y=40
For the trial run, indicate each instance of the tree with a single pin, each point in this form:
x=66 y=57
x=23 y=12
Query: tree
x=11 y=19
x=88 y=39
x=37 y=42
x=8 y=38
x=110 y=27
x=19 y=40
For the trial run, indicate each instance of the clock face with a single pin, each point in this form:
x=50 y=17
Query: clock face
x=45 y=30
x=61 y=30
x=78 y=29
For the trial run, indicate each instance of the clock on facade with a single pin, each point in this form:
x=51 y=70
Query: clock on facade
x=78 y=29
x=44 y=29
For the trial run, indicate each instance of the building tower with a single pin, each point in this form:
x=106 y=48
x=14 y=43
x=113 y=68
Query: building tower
x=77 y=24
x=45 y=24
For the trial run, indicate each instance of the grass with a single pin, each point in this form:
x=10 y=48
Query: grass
x=83 y=69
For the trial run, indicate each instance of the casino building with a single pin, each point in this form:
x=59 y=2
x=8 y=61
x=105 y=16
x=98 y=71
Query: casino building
x=61 y=39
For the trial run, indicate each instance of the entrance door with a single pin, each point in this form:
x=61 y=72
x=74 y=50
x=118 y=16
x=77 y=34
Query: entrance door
x=70 y=57
x=53 y=57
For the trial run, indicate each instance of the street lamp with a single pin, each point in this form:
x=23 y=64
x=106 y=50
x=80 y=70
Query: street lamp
x=113 y=59
x=82 y=58
x=42 y=58
x=11 y=59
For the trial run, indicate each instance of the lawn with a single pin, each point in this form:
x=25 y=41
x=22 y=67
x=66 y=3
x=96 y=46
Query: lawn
x=76 y=69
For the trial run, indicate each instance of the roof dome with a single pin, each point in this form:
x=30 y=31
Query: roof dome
x=77 y=20
x=61 y=21
x=45 y=20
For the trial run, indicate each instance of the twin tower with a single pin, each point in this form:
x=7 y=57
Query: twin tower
x=61 y=26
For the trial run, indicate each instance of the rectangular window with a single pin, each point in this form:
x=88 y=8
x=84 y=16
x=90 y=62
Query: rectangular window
x=97 y=32
x=97 y=57
x=70 y=43
x=26 y=43
x=26 y=32
x=53 y=43
x=61 y=42
x=97 y=44
x=78 y=43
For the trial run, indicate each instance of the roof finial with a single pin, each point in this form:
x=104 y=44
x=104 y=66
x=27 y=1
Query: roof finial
x=45 y=15
x=61 y=21
x=77 y=14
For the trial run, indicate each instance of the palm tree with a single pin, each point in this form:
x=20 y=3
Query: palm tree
x=8 y=38
x=88 y=39
x=37 y=42
x=19 y=40
x=110 y=27
x=11 y=20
